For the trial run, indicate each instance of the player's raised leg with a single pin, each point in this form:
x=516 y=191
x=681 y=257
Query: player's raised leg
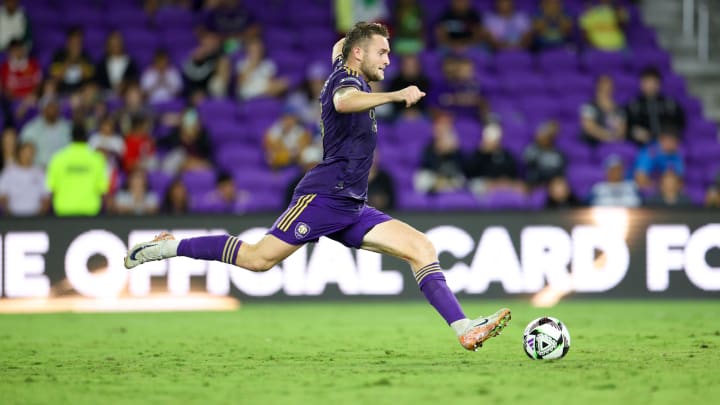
x=399 y=239
x=259 y=256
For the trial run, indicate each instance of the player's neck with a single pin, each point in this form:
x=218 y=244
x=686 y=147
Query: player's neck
x=355 y=67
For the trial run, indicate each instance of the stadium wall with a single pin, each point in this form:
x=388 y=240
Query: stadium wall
x=592 y=252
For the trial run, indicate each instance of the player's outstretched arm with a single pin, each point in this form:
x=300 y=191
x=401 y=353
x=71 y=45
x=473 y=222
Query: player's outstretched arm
x=351 y=100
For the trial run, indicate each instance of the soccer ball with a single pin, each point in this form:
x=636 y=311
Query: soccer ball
x=546 y=338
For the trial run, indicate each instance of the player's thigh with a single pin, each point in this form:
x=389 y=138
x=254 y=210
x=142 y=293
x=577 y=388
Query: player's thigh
x=264 y=254
x=396 y=238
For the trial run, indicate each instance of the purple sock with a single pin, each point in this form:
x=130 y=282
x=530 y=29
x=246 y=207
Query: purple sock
x=432 y=283
x=223 y=248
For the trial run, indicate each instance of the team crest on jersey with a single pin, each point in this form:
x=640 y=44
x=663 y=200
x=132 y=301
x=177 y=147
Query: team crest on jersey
x=301 y=230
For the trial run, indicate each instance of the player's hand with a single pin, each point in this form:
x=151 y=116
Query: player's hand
x=409 y=95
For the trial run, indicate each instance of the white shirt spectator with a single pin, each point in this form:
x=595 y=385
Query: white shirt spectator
x=12 y=26
x=25 y=189
x=47 y=137
x=114 y=143
x=258 y=80
x=125 y=201
x=161 y=86
x=615 y=194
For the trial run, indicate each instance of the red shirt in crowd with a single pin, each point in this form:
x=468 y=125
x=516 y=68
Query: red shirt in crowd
x=138 y=146
x=20 y=78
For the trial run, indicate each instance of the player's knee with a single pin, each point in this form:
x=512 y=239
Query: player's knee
x=422 y=251
x=261 y=264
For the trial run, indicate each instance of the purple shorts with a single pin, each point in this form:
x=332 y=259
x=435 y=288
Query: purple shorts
x=311 y=216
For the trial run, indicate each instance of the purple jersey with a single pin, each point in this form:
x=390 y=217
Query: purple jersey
x=348 y=142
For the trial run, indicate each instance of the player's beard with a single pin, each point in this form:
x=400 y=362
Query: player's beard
x=370 y=72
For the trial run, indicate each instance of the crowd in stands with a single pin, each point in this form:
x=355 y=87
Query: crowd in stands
x=179 y=106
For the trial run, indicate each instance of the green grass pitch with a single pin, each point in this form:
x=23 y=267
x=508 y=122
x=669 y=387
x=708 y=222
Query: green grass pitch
x=637 y=352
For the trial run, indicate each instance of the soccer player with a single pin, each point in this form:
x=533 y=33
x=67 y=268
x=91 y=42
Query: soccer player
x=331 y=199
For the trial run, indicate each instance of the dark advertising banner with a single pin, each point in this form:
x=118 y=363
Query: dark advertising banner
x=597 y=252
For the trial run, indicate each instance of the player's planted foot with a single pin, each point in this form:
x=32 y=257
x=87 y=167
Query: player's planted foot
x=156 y=249
x=481 y=329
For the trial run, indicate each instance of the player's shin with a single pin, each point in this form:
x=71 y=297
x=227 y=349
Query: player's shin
x=432 y=283
x=222 y=248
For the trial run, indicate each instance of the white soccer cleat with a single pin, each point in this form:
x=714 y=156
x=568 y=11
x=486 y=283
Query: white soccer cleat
x=481 y=329
x=148 y=251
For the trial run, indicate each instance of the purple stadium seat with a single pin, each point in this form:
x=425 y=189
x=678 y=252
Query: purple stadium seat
x=691 y=105
x=582 y=177
x=412 y=201
x=262 y=179
x=523 y=83
x=419 y=130
x=696 y=194
x=457 y=200
x=701 y=129
x=199 y=179
x=704 y=150
x=625 y=150
x=159 y=181
x=658 y=58
x=505 y=199
x=231 y=157
x=575 y=150
x=469 y=131
x=599 y=62
x=576 y=83
x=214 y=109
x=174 y=17
x=557 y=61
x=261 y=108
x=512 y=60
x=262 y=201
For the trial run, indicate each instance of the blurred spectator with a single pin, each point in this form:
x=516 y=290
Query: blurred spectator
x=305 y=99
x=161 y=81
x=189 y=146
x=49 y=131
x=219 y=83
x=408 y=28
x=651 y=109
x=112 y=145
x=88 y=105
x=559 y=194
x=139 y=146
x=349 y=12
x=77 y=177
x=136 y=199
x=491 y=165
x=616 y=190
x=116 y=68
x=257 y=74
x=602 y=120
x=441 y=167
x=459 y=92
x=381 y=188
x=71 y=66
x=542 y=158
x=134 y=106
x=202 y=61
x=603 y=25
x=659 y=157
x=712 y=197
x=107 y=140
x=177 y=199
x=8 y=146
x=22 y=185
x=225 y=198
x=309 y=158
x=552 y=25
x=14 y=24
x=410 y=75
x=233 y=23
x=383 y=112
x=671 y=192
x=285 y=140
x=459 y=27
x=508 y=28
x=20 y=75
